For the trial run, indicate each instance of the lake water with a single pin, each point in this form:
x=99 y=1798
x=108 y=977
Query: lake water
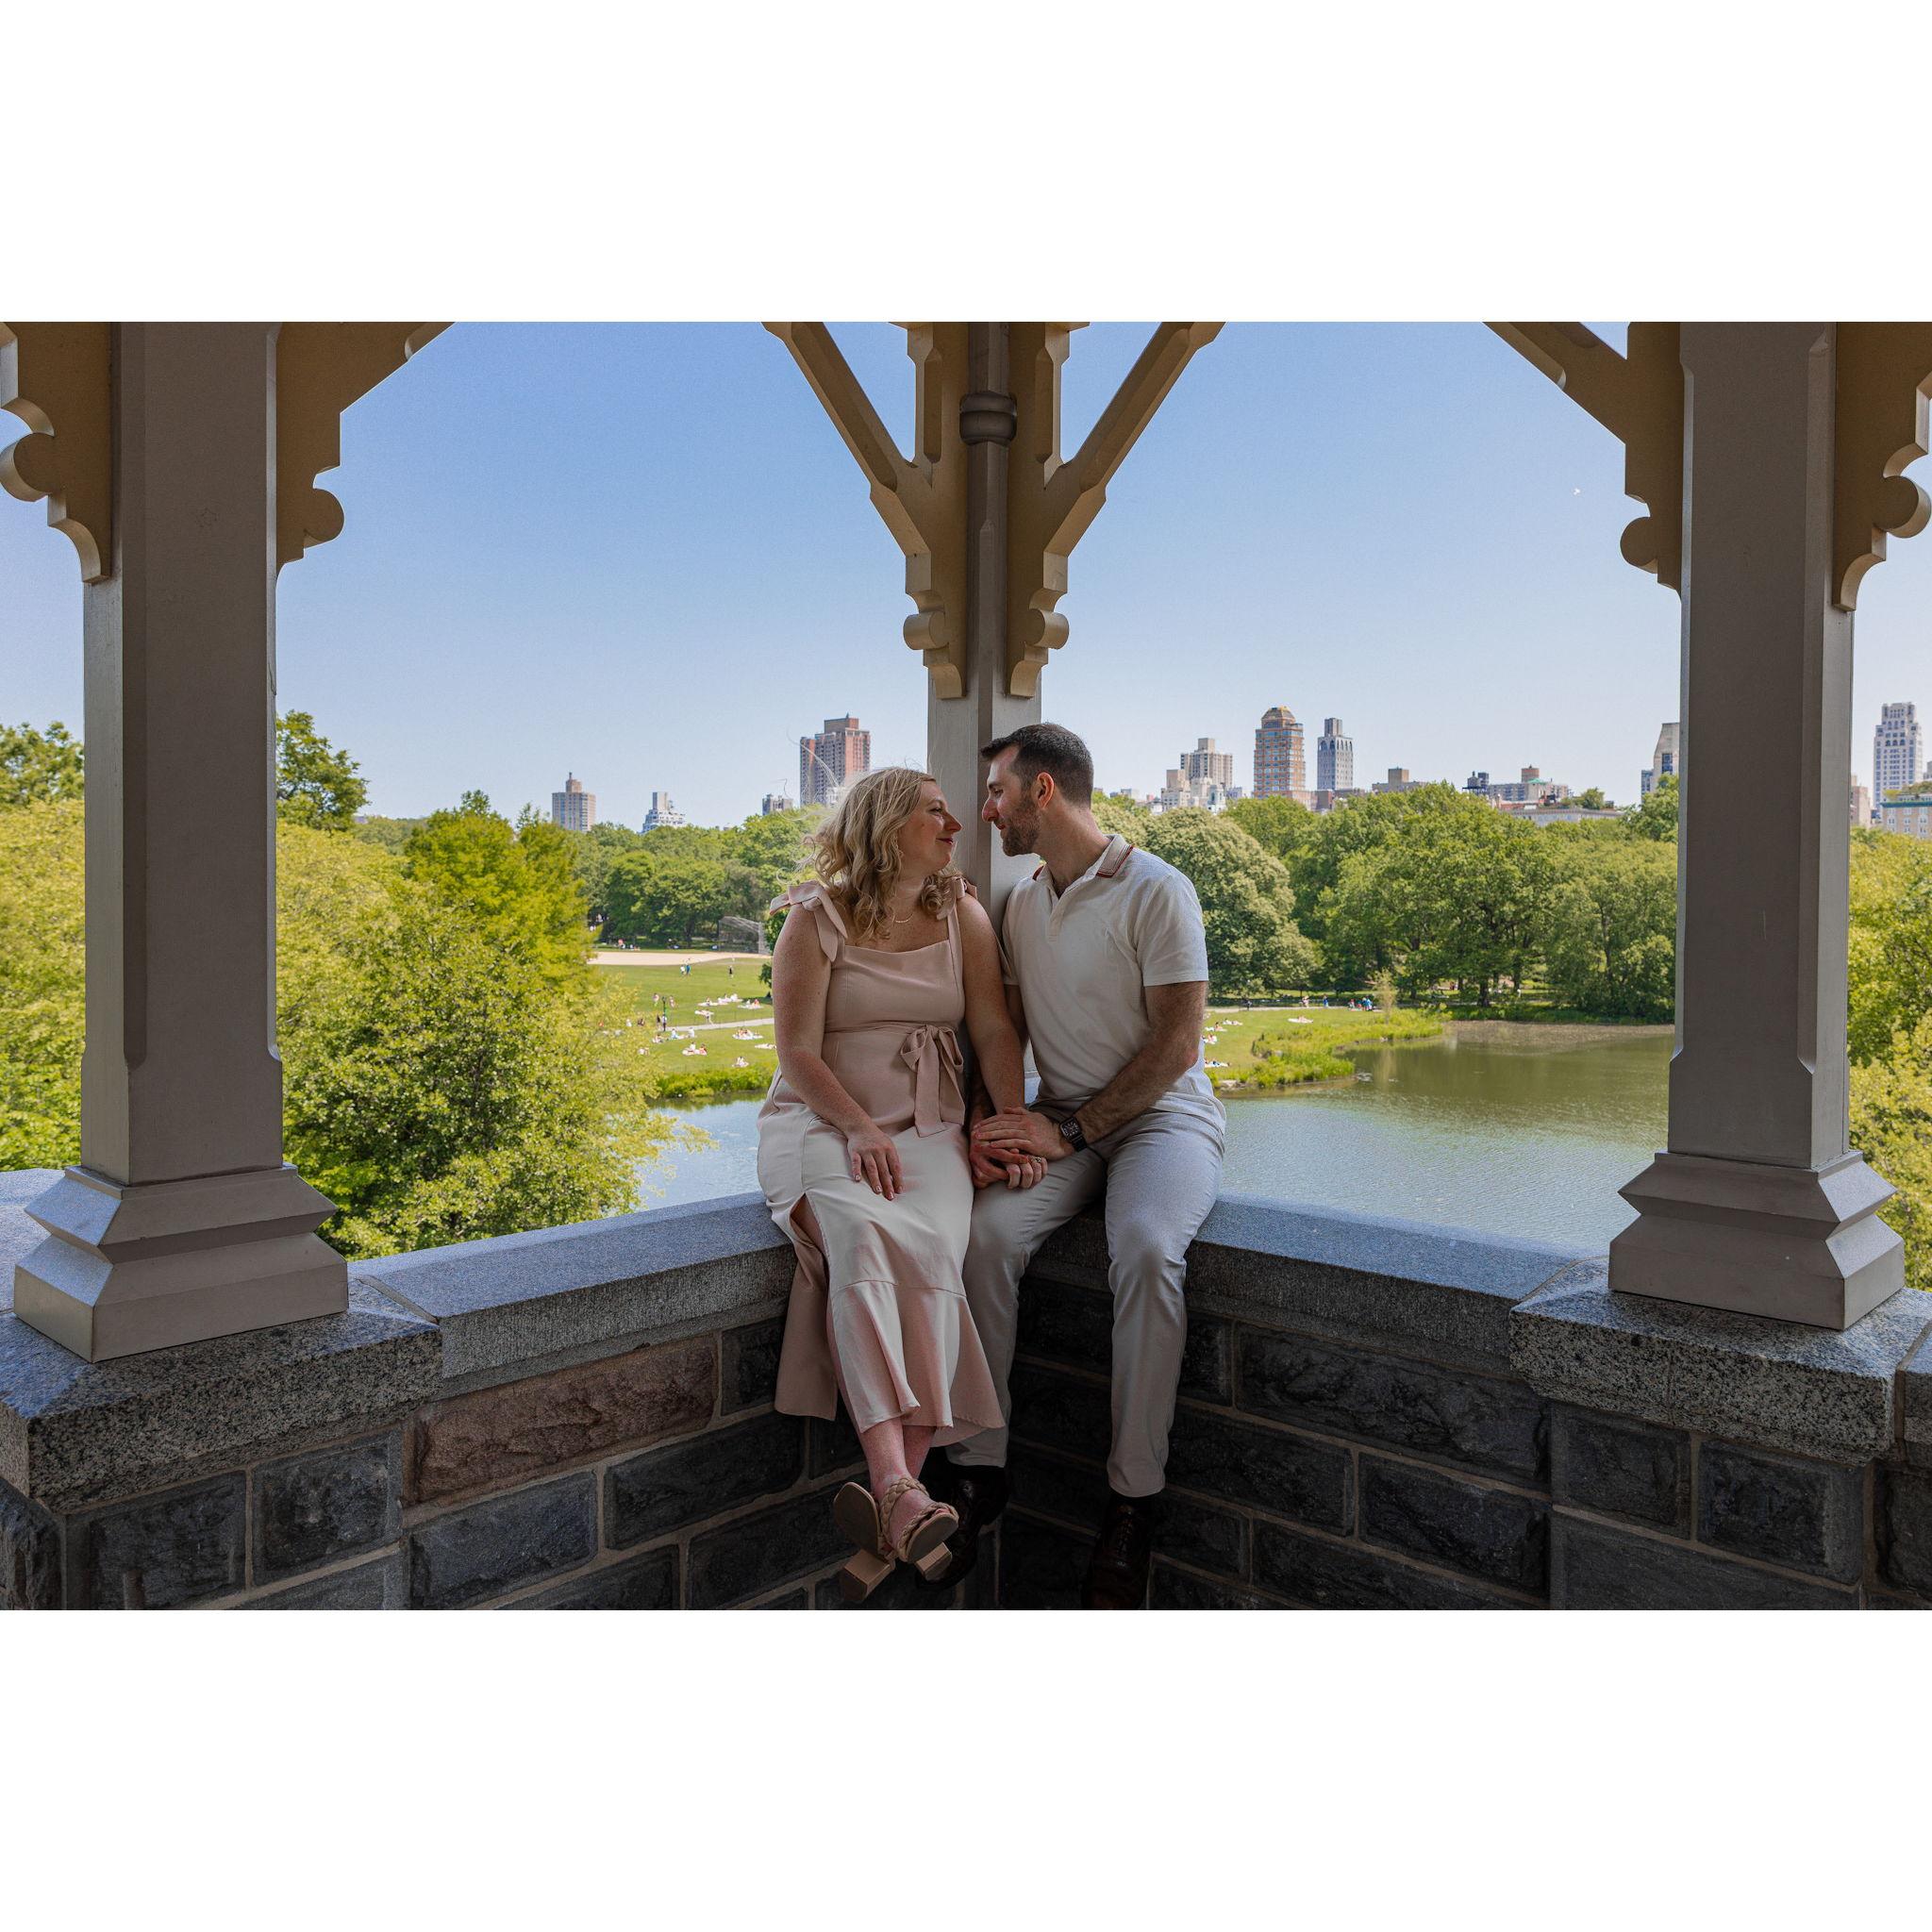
x=1510 y=1129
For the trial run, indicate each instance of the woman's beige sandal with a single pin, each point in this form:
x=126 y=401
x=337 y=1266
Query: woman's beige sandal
x=924 y=1543
x=857 y=1517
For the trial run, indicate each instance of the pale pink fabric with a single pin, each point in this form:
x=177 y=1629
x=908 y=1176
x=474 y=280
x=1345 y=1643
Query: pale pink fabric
x=879 y=1311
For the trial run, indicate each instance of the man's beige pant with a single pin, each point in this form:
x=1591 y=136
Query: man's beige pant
x=1161 y=1173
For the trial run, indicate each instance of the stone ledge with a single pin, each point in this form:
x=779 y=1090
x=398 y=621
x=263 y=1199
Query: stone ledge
x=1400 y=1285
x=74 y=1432
x=1774 y=1384
x=1915 y=1403
x=533 y=1300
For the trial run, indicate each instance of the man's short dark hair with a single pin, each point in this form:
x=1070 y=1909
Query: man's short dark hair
x=1052 y=749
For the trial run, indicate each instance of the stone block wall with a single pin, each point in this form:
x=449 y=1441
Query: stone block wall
x=660 y=1478
x=1371 y=1416
x=1391 y=1471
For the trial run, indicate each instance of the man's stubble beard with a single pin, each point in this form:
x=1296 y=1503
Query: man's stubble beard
x=1019 y=837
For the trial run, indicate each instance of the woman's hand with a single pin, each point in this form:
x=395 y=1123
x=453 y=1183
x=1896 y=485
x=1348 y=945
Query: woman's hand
x=872 y=1158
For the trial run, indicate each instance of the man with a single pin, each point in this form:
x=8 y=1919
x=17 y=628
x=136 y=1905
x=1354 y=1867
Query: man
x=1107 y=972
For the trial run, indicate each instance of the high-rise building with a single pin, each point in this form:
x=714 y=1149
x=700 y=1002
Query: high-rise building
x=831 y=758
x=661 y=812
x=775 y=801
x=1898 y=751
x=1666 y=761
x=1397 y=780
x=1203 y=765
x=1280 y=764
x=574 y=808
x=1334 y=758
x=1862 y=803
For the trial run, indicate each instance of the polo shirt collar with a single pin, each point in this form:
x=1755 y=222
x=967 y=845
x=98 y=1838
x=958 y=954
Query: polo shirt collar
x=1113 y=856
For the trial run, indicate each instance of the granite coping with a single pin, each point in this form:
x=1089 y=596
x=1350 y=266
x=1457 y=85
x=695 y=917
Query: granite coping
x=1776 y=1385
x=73 y=1431
x=1915 y=1402
x=531 y=1301
x=1401 y=1285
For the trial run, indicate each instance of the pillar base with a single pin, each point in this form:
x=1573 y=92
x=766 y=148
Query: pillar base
x=1796 y=1244
x=124 y=1268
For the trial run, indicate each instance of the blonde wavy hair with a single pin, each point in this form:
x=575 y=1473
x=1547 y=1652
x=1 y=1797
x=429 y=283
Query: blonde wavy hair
x=855 y=851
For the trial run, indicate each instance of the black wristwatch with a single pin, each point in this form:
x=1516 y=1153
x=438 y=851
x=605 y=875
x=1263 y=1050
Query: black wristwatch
x=1071 y=1134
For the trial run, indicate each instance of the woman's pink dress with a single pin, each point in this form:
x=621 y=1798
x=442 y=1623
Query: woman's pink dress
x=879 y=1311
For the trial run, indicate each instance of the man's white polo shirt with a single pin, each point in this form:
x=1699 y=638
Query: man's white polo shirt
x=1083 y=960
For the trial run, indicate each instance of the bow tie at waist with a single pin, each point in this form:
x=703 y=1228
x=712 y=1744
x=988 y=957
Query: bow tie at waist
x=939 y=1096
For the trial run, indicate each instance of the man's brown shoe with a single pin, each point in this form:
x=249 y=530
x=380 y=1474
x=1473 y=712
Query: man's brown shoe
x=1117 y=1574
x=978 y=1494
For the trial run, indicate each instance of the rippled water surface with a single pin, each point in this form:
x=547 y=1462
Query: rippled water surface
x=1524 y=1130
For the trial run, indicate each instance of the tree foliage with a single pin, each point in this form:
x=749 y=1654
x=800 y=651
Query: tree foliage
x=1247 y=901
x=42 y=964
x=1655 y=816
x=676 y=882
x=517 y=882
x=315 y=784
x=38 y=767
x=1612 y=947
x=441 y=1086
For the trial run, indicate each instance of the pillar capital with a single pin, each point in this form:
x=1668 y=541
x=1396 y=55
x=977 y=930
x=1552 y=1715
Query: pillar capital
x=55 y=377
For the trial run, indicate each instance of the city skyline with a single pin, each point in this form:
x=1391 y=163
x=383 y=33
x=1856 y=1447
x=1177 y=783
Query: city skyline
x=1398 y=523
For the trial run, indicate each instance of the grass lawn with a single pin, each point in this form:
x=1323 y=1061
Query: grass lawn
x=1299 y=1053
x=682 y=1075
x=1314 y=1051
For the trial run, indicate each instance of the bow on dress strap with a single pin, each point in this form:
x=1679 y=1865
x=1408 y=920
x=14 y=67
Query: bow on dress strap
x=810 y=892
x=939 y=1094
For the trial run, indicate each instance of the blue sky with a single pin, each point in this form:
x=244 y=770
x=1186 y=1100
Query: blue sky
x=641 y=553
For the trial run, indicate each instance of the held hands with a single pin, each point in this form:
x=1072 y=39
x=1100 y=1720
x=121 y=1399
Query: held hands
x=1020 y=1131
x=998 y=1167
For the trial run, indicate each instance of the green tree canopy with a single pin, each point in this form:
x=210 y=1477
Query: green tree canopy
x=1279 y=825
x=38 y=767
x=1592 y=800
x=1655 y=816
x=1120 y=812
x=663 y=898
x=1612 y=946
x=42 y=965
x=1247 y=901
x=1461 y=896
x=440 y=1088
x=315 y=784
x=390 y=834
x=517 y=882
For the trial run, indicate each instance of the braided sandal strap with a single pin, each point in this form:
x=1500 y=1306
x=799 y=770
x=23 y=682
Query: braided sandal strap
x=890 y=1545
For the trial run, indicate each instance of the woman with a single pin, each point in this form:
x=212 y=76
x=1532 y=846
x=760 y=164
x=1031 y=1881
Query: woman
x=862 y=1152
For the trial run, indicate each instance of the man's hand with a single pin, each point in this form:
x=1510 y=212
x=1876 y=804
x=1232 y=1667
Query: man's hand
x=1021 y=1130
x=1003 y=1169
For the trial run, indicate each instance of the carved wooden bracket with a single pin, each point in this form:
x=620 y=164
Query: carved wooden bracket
x=922 y=498
x=1884 y=377
x=1052 y=503
x=55 y=377
x=321 y=368
x=1638 y=398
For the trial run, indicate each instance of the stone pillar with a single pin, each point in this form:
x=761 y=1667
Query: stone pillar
x=182 y=1221
x=1759 y=1204
x=956 y=727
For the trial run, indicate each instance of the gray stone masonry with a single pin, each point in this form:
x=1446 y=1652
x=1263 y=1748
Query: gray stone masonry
x=1370 y=1415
